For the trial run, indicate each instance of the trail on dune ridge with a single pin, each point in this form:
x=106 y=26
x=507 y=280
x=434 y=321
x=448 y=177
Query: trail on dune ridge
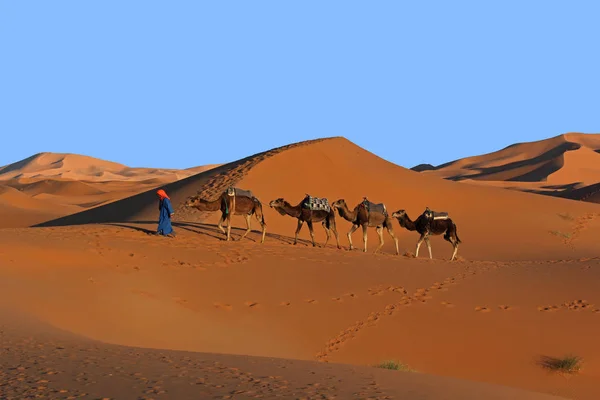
x=142 y=205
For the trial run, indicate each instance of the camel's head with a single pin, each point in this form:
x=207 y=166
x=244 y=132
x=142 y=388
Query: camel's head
x=191 y=202
x=276 y=203
x=341 y=203
x=399 y=214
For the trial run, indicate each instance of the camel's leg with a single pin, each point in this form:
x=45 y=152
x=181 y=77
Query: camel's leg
x=352 y=230
x=455 y=245
x=428 y=246
x=335 y=232
x=326 y=232
x=418 y=246
x=228 y=227
x=364 y=227
x=393 y=235
x=248 y=228
x=300 y=222
x=220 y=224
x=262 y=225
x=312 y=232
x=379 y=230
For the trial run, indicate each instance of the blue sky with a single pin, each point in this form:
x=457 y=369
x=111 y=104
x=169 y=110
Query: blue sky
x=185 y=83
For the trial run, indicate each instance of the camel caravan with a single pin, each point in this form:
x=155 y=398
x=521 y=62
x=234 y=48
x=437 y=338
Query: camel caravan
x=366 y=214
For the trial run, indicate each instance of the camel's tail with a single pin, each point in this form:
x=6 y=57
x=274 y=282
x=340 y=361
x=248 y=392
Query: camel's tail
x=258 y=207
x=456 y=234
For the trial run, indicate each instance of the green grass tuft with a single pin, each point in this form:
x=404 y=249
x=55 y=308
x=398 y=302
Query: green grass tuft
x=395 y=365
x=567 y=216
x=569 y=364
x=561 y=234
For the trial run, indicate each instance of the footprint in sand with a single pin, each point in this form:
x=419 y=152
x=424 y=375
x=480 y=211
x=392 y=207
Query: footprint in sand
x=578 y=305
x=504 y=308
x=482 y=309
x=547 y=308
x=251 y=304
x=311 y=301
x=226 y=307
x=285 y=303
x=447 y=304
x=351 y=295
x=338 y=299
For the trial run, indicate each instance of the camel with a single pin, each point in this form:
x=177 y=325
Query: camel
x=367 y=214
x=428 y=224
x=304 y=214
x=232 y=205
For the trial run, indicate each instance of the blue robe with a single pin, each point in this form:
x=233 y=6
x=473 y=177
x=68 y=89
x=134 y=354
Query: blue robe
x=164 y=219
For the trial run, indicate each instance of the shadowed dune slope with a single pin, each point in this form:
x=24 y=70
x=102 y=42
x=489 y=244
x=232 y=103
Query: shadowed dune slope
x=143 y=206
x=557 y=166
x=64 y=184
x=491 y=222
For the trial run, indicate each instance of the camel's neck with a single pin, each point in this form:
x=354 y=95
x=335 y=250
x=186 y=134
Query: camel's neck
x=347 y=214
x=292 y=211
x=204 y=205
x=407 y=223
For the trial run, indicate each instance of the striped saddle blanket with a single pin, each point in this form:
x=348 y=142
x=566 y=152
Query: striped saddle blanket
x=239 y=192
x=316 y=203
x=435 y=215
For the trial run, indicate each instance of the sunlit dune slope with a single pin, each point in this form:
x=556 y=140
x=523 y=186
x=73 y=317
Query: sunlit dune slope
x=492 y=223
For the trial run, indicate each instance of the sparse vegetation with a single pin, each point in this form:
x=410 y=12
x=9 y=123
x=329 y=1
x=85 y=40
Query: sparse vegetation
x=561 y=234
x=569 y=364
x=395 y=365
x=567 y=216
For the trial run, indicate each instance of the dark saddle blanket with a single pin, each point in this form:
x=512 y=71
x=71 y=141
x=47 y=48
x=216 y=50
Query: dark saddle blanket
x=316 y=203
x=239 y=192
x=375 y=207
x=435 y=215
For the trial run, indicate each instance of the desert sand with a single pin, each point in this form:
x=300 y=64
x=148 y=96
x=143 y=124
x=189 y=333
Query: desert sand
x=46 y=186
x=116 y=312
x=566 y=165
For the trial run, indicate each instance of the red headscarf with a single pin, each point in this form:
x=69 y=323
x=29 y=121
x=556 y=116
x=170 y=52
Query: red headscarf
x=162 y=194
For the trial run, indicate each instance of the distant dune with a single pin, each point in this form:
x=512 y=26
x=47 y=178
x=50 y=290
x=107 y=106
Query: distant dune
x=63 y=184
x=560 y=166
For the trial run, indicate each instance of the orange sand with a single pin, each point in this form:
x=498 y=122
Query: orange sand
x=526 y=288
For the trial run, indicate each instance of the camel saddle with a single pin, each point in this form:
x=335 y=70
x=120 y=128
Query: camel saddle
x=435 y=215
x=315 y=203
x=231 y=191
x=374 y=207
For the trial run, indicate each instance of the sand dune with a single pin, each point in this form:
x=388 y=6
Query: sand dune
x=524 y=291
x=555 y=166
x=78 y=167
x=18 y=209
x=67 y=183
x=63 y=365
x=344 y=170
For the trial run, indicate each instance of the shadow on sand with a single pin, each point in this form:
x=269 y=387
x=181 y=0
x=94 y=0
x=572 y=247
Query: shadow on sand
x=210 y=230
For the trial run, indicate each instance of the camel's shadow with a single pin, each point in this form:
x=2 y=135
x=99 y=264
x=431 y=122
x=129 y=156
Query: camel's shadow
x=209 y=230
